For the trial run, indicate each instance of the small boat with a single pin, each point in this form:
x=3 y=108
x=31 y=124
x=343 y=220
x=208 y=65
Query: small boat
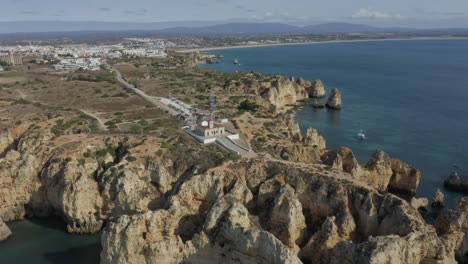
x=236 y=61
x=361 y=135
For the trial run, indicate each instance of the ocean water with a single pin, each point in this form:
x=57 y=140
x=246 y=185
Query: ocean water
x=47 y=242
x=409 y=97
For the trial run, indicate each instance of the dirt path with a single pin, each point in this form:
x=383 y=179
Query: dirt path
x=101 y=124
x=23 y=96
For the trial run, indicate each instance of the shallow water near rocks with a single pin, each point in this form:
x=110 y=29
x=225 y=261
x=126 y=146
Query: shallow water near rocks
x=409 y=97
x=46 y=241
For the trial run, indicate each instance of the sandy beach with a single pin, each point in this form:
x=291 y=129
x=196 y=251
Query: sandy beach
x=311 y=43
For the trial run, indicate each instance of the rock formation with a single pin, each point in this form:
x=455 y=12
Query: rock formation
x=5 y=232
x=452 y=227
x=438 y=200
x=326 y=209
x=455 y=183
x=281 y=92
x=304 y=83
x=314 y=139
x=316 y=90
x=419 y=203
x=296 y=147
x=405 y=178
x=334 y=101
x=260 y=211
x=381 y=172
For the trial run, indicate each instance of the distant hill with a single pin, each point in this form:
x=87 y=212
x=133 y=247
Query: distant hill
x=243 y=28
x=203 y=27
x=342 y=28
x=237 y=28
x=71 y=26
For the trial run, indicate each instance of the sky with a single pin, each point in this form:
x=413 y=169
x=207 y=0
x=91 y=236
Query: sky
x=408 y=13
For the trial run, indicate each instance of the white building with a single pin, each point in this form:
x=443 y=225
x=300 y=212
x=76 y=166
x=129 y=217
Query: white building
x=209 y=129
x=134 y=52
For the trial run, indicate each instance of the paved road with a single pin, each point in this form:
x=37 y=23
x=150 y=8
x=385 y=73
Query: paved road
x=225 y=142
x=152 y=99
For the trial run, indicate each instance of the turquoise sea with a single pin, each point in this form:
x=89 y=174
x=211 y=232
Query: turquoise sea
x=409 y=97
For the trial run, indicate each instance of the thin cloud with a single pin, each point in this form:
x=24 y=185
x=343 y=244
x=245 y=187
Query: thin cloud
x=105 y=9
x=245 y=9
x=138 y=12
x=29 y=12
x=365 y=13
x=277 y=17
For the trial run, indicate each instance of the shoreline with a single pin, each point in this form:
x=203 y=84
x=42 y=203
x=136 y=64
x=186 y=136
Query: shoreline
x=315 y=42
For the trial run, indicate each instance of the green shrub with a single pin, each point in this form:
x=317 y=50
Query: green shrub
x=143 y=122
x=131 y=158
x=135 y=128
x=81 y=162
x=87 y=154
x=159 y=153
x=246 y=105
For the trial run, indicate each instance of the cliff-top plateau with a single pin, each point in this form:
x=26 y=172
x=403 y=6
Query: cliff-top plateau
x=80 y=146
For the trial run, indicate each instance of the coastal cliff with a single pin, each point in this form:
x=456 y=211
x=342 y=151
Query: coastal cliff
x=266 y=211
x=176 y=209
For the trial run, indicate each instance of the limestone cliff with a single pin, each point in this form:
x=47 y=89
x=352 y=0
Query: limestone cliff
x=280 y=92
x=381 y=172
x=262 y=211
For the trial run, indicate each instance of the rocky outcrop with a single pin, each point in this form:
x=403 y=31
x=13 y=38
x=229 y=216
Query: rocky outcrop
x=261 y=211
x=304 y=83
x=334 y=100
x=316 y=90
x=438 y=200
x=281 y=92
x=343 y=159
x=286 y=220
x=314 y=139
x=5 y=232
x=381 y=172
x=455 y=183
x=452 y=227
x=19 y=169
x=405 y=178
x=6 y=140
x=71 y=190
x=296 y=147
x=419 y=203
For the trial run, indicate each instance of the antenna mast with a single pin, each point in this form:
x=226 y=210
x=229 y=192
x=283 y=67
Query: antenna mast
x=212 y=105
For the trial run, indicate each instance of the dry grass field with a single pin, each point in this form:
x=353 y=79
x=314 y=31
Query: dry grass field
x=95 y=94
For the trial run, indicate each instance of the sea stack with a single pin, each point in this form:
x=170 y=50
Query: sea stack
x=316 y=90
x=455 y=183
x=438 y=200
x=334 y=101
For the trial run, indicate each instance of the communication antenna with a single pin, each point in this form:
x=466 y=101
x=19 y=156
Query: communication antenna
x=212 y=104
